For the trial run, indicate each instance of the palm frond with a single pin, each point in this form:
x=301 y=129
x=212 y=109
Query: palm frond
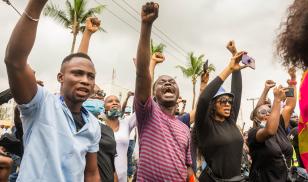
x=91 y=12
x=157 y=48
x=54 y=12
x=187 y=71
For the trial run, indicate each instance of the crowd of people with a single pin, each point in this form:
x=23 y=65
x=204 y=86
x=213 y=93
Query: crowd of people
x=80 y=134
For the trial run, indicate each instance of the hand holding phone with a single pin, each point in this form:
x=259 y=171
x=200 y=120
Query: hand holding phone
x=249 y=61
x=289 y=92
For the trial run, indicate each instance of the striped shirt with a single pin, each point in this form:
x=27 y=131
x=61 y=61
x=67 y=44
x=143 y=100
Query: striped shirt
x=164 y=144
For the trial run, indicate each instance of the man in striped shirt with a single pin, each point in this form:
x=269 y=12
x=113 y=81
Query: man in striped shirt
x=164 y=140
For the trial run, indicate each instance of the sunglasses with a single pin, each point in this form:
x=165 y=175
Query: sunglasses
x=264 y=111
x=224 y=101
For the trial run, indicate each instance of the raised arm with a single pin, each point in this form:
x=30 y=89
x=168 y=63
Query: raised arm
x=212 y=88
x=272 y=123
x=92 y=25
x=156 y=58
x=143 y=78
x=236 y=89
x=291 y=101
x=129 y=94
x=21 y=76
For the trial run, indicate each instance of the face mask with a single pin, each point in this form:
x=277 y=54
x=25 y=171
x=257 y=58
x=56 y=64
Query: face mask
x=94 y=106
x=262 y=124
x=113 y=113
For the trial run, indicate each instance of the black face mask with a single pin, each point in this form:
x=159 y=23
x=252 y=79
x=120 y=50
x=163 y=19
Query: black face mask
x=177 y=113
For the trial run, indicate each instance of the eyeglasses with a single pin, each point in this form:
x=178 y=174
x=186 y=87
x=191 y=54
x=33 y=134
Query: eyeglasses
x=224 y=101
x=100 y=93
x=264 y=111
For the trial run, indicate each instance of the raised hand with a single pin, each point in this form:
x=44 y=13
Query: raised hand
x=92 y=24
x=231 y=47
x=149 y=12
x=292 y=73
x=234 y=64
x=158 y=58
x=280 y=93
x=269 y=84
x=130 y=93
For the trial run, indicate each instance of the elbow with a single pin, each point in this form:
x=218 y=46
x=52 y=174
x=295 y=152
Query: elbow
x=270 y=132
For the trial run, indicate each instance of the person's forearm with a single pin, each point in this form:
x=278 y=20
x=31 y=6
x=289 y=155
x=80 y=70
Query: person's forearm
x=85 y=41
x=144 y=53
x=143 y=77
x=236 y=89
x=92 y=178
x=273 y=120
x=225 y=73
x=23 y=36
x=263 y=97
x=124 y=104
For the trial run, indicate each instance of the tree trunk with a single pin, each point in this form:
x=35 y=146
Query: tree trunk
x=74 y=42
x=75 y=32
x=194 y=93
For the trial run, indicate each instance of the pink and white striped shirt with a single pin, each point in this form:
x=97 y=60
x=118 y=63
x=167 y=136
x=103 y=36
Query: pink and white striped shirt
x=164 y=144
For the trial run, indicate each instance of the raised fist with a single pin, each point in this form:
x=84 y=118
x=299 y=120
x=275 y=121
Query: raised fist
x=149 y=12
x=270 y=84
x=92 y=24
x=158 y=57
x=130 y=93
x=292 y=73
x=231 y=47
x=280 y=93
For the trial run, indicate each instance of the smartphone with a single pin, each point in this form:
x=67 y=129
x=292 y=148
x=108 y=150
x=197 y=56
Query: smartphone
x=249 y=61
x=290 y=92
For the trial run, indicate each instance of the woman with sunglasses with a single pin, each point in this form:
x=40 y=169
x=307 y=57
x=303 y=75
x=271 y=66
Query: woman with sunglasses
x=215 y=133
x=269 y=147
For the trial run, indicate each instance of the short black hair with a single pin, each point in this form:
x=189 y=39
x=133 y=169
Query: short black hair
x=78 y=54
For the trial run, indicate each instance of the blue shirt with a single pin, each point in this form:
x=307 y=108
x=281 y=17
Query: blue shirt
x=54 y=150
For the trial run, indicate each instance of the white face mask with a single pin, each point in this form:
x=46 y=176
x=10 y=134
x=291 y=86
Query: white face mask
x=262 y=124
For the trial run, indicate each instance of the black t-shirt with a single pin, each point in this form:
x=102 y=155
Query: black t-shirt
x=293 y=137
x=106 y=154
x=79 y=122
x=220 y=143
x=267 y=161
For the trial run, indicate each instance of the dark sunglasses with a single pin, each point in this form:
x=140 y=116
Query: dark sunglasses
x=224 y=101
x=264 y=111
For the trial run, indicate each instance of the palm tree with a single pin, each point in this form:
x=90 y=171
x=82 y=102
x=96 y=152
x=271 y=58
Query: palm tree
x=157 y=48
x=193 y=70
x=73 y=17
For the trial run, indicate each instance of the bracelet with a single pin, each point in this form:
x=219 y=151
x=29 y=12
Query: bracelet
x=292 y=82
x=30 y=17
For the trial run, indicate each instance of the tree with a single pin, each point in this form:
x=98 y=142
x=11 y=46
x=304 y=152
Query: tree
x=194 y=69
x=73 y=17
x=157 y=48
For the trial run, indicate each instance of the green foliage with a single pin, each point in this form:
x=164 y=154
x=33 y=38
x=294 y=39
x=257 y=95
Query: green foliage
x=194 y=67
x=75 y=14
x=157 y=48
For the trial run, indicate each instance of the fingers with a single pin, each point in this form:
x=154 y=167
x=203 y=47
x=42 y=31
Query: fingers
x=149 y=12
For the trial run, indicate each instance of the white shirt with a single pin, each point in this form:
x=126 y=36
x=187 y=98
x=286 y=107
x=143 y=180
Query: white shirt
x=121 y=136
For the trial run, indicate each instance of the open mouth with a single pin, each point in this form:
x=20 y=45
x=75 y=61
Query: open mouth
x=168 y=91
x=83 y=91
x=227 y=111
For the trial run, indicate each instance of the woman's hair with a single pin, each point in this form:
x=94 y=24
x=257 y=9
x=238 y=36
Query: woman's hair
x=292 y=42
x=198 y=129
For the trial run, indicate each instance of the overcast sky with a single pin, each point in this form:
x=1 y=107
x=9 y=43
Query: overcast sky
x=202 y=26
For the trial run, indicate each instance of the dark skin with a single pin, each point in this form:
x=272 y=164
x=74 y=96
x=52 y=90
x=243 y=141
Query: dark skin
x=223 y=108
x=77 y=78
x=111 y=102
x=23 y=82
x=166 y=99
